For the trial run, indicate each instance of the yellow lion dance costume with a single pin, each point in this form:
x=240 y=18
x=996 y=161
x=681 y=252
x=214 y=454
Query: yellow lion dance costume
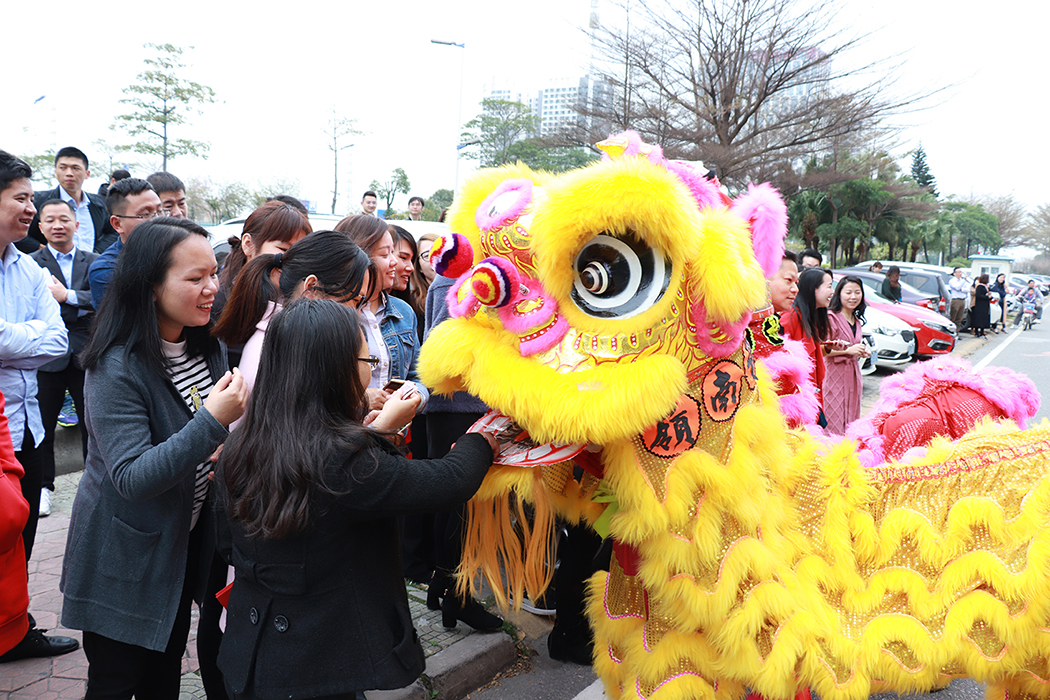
x=747 y=555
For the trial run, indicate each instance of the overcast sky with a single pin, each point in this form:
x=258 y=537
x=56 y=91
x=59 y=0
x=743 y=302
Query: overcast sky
x=279 y=68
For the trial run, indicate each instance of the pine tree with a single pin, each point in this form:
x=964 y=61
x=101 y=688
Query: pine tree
x=920 y=172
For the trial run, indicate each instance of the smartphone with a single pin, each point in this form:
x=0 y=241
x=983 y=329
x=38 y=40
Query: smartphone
x=393 y=385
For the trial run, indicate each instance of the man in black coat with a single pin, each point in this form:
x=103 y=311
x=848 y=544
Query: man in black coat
x=95 y=232
x=68 y=266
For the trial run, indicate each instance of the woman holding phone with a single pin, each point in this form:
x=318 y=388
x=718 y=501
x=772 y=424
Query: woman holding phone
x=318 y=608
x=389 y=322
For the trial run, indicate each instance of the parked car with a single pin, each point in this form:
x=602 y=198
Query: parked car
x=873 y=286
x=892 y=341
x=934 y=334
x=930 y=282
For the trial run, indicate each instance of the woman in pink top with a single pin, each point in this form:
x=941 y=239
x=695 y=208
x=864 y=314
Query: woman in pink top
x=843 y=385
x=323 y=265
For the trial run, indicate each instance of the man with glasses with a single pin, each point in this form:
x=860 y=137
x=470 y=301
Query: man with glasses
x=130 y=202
x=95 y=233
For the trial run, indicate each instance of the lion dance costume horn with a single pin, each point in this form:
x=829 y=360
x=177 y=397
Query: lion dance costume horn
x=606 y=313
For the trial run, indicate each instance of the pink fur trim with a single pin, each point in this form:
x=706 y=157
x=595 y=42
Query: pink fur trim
x=790 y=366
x=529 y=326
x=733 y=332
x=764 y=209
x=1012 y=393
x=704 y=191
x=457 y=308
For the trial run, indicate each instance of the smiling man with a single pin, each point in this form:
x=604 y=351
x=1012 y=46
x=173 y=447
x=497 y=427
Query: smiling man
x=95 y=232
x=67 y=267
x=172 y=194
x=31 y=331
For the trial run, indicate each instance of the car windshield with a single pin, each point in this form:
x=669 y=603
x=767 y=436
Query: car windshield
x=876 y=288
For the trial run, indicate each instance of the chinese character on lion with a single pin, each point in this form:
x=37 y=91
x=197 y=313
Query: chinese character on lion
x=611 y=315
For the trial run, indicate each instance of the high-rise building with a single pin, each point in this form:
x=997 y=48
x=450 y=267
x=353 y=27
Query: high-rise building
x=556 y=102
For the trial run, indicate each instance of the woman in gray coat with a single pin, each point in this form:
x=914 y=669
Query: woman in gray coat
x=158 y=400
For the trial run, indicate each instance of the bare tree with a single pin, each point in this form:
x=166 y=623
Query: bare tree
x=1014 y=224
x=747 y=85
x=1039 y=225
x=337 y=129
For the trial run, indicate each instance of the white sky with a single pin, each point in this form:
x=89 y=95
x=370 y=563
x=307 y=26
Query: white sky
x=279 y=68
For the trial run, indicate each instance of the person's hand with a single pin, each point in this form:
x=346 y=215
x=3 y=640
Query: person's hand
x=376 y=398
x=397 y=412
x=490 y=438
x=857 y=350
x=228 y=398
x=58 y=291
x=370 y=418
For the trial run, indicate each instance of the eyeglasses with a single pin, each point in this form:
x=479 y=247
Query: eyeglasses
x=150 y=215
x=372 y=361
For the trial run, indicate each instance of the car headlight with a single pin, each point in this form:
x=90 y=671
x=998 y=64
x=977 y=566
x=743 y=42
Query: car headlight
x=882 y=330
x=948 y=328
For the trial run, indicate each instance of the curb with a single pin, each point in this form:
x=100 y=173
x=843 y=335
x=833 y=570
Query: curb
x=457 y=670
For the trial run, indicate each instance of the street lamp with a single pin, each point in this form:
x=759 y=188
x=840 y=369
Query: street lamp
x=459 y=111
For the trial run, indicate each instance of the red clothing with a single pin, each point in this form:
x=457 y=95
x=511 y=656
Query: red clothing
x=792 y=324
x=941 y=409
x=14 y=512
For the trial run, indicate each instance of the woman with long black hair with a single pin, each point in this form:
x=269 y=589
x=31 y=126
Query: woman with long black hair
x=159 y=400
x=807 y=321
x=318 y=606
x=843 y=384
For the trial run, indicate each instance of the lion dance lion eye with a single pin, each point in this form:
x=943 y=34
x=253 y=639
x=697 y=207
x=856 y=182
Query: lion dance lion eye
x=618 y=277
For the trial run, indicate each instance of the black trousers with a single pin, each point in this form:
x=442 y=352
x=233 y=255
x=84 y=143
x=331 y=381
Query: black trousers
x=53 y=386
x=117 y=670
x=417 y=529
x=30 y=458
x=443 y=429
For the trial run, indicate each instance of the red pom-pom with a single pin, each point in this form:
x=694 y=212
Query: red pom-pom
x=451 y=255
x=495 y=282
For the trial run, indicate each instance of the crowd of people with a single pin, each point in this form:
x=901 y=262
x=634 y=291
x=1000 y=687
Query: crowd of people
x=827 y=319
x=257 y=434
x=248 y=428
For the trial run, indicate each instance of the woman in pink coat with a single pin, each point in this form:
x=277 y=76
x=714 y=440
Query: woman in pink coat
x=842 y=381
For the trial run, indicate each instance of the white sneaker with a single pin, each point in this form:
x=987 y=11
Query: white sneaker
x=45 y=502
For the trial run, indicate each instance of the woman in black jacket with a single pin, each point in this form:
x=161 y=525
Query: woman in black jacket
x=318 y=606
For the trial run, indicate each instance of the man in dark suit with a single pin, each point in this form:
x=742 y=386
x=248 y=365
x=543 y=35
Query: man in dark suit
x=95 y=233
x=68 y=266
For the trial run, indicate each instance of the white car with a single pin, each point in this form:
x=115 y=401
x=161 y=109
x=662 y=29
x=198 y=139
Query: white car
x=892 y=340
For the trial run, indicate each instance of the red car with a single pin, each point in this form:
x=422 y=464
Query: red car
x=934 y=334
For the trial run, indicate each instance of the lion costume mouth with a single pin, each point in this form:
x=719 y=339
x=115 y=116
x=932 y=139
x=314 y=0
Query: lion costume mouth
x=555 y=407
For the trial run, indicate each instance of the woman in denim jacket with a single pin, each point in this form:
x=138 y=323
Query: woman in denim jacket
x=390 y=323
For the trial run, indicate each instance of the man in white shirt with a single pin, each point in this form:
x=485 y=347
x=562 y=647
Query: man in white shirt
x=95 y=231
x=67 y=266
x=959 y=291
x=415 y=209
x=31 y=331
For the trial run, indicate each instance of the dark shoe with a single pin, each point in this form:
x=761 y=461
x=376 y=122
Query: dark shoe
x=571 y=645
x=434 y=594
x=472 y=613
x=35 y=645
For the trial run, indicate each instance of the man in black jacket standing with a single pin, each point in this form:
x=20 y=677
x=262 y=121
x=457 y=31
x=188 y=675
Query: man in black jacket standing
x=95 y=232
x=68 y=269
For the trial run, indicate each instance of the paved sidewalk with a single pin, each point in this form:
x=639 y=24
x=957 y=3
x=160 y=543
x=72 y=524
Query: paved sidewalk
x=66 y=676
